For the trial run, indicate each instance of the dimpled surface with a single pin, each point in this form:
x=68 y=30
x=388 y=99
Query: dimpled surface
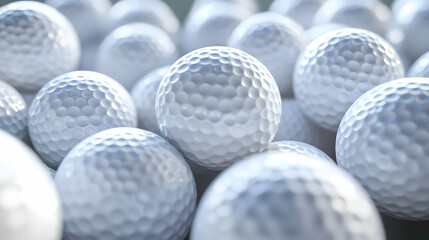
x=154 y=12
x=211 y=25
x=294 y=125
x=13 y=111
x=126 y=183
x=274 y=40
x=372 y=15
x=74 y=106
x=420 y=68
x=383 y=141
x=37 y=43
x=29 y=203
x=409 y=28
x=299 y=148
x=133 y=50
x=337 y=68
x=218 y=104
x=144 y=97
x=277 y=196
x=302 y=11
x=87 y=16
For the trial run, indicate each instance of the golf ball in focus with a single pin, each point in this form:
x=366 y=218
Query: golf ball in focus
x=383 y=141
x=217 y=105
x=126 y=183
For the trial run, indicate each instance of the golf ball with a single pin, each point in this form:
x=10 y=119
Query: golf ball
x=286 y=195
x=372 y=15
x=383 y=140
x=74 y=106
x=274 y=40
x=153 y=12
x=252 y=5
x=13 y=111
x=299 y=148
x=295 y=126
x=144 y=97
x=126 y=183
x=217 y=105
x=409 y=28
x=87 y=16
x=29 y=203
x=211 y=25
x=420 y=68
x=302 y=11
x=37 y=43
x=337 y=68
x=133 y=50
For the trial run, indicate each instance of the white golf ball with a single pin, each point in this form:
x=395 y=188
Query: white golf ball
x=300 y=148
x=217 y=105
x=274 y=40
x=153 y=12
x=133 y=50
x=302 y=11
x=126 y=183
x=37 y=43
x=286 y=195
x=420 y=67
x=144 y=97
x=87 y=16
x=211 y=25
x=372 y=15
x=337 y=68
x=29 y=203
x=252 y=5
x=383 y=140
x=13 y=111
x=409 y=28
x=74 y=106
x=295 y=126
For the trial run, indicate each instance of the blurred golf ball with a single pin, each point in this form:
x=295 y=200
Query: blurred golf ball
x=319 y=30
x=211 y=25
x=144 y=97
x=383 y=140
x=74 y=106
x=126 y=183
x=409 y=28
x=217 y=105
x=302 y=11
x=153 y=12
x=29 y=203
x=13 y=111
x=133 y=50
x=420 y=67
x=337 y=68
x=87 y=16
x=372 y=15
x=274 y=40
x=37 y=43
x=252 y=5
x=286 y=195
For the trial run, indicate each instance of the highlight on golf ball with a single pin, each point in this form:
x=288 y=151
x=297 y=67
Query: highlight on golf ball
x=214 y=120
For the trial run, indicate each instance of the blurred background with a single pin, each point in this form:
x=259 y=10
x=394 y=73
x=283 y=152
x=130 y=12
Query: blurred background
x=181 y=7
